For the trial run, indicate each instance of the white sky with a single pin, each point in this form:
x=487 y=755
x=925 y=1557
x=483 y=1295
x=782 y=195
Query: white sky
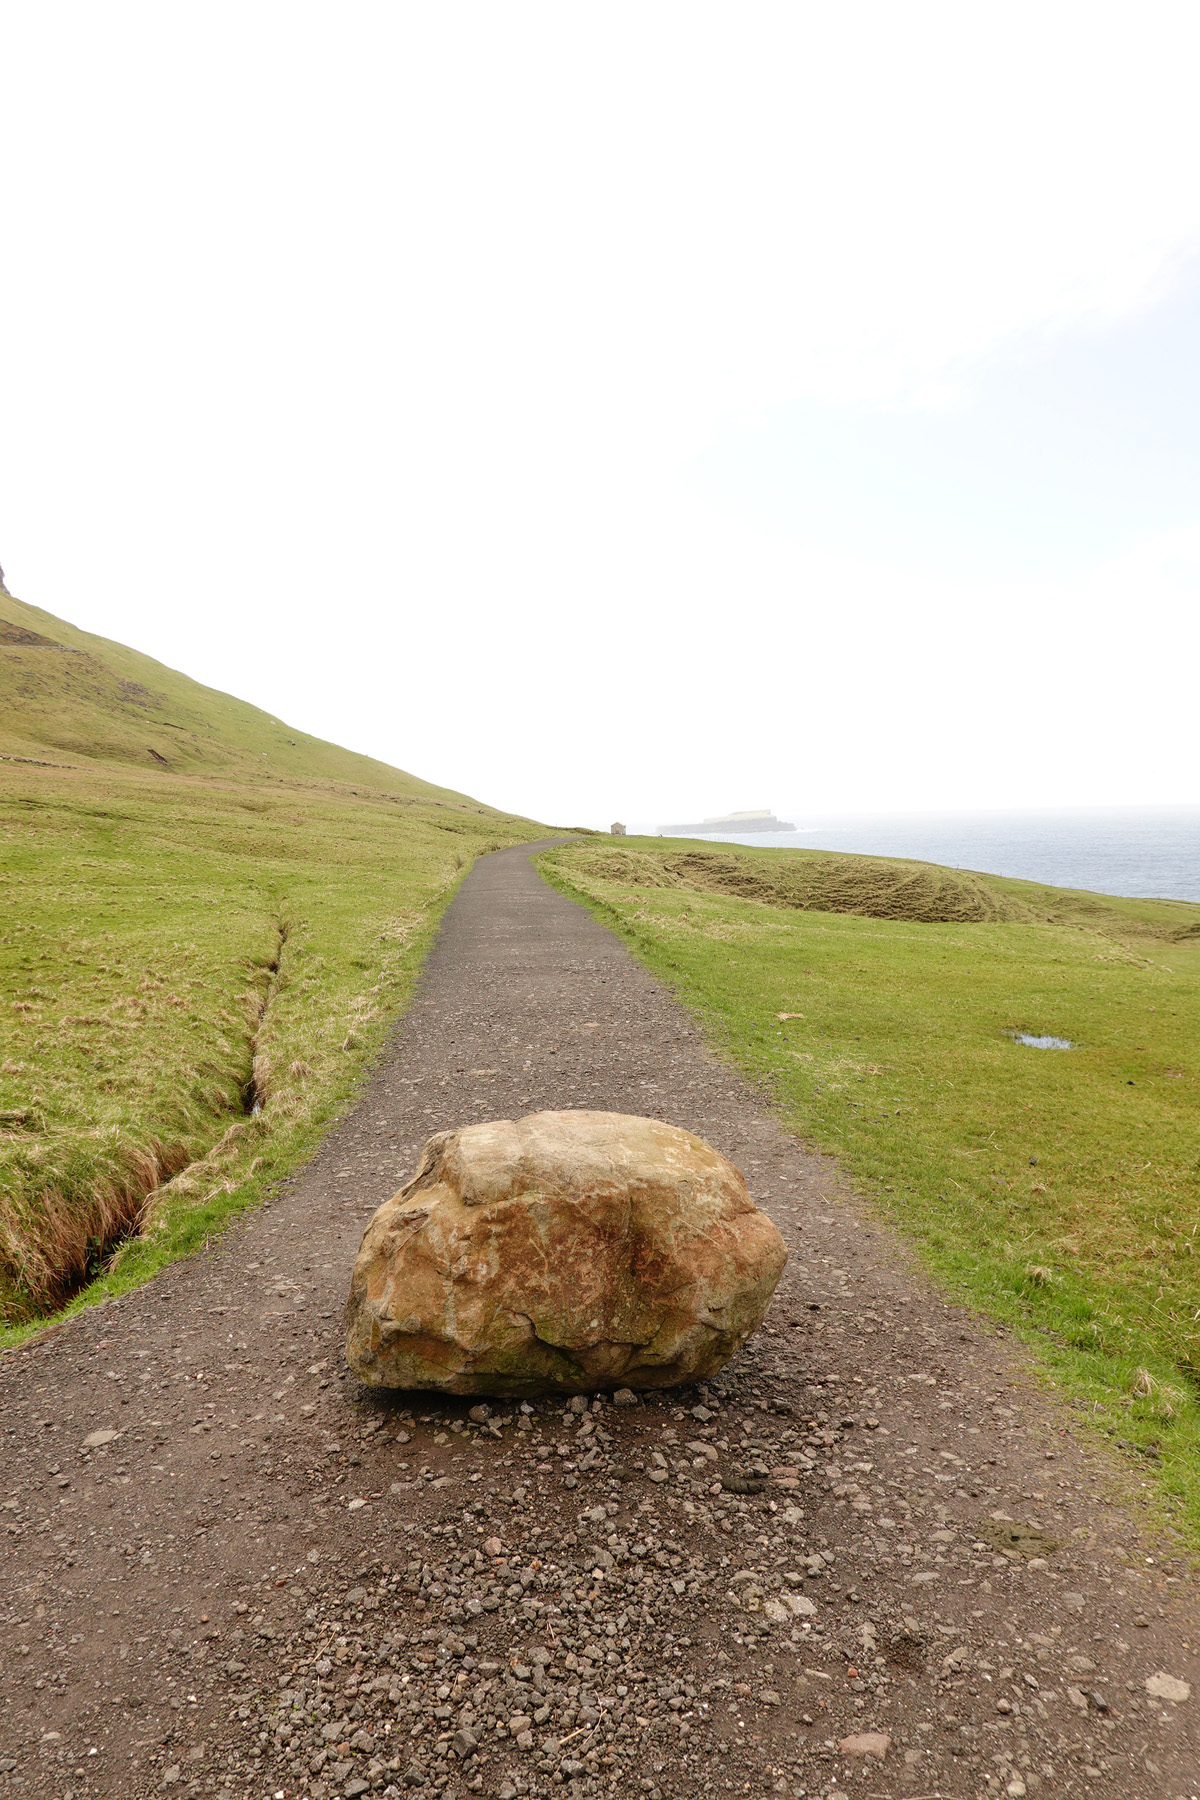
x=630 y=410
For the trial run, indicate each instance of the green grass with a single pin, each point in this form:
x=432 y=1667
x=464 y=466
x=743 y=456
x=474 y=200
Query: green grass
x=75 y=698
x=1058 y=1191
x=180 y=944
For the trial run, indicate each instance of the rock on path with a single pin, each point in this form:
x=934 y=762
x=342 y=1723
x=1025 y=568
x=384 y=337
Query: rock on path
x=869 y=1559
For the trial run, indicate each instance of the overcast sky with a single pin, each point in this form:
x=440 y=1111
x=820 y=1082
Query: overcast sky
x=630 y=410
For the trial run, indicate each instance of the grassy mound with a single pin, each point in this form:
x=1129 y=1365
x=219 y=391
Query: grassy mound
x=873 y=887
x=1057 y=1190
x=206 y=928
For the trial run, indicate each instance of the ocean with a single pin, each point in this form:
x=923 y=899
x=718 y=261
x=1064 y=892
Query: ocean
x=1143 y=852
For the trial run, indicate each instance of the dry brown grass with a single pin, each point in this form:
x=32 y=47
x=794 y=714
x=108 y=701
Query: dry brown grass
x=53 y=1241
x=812 y=881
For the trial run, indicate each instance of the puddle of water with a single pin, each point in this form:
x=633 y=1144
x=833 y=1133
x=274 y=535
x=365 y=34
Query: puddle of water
x=1041 y=1043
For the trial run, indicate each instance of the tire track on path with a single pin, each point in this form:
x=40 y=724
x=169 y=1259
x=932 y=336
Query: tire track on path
x=256 y=1580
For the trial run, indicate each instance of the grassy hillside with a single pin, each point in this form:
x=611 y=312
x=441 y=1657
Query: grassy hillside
x=200 y=949
x=67 y=693
x=1056 y=1189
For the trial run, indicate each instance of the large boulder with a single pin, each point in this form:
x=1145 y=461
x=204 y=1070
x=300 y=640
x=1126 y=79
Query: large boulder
x=560 y=1253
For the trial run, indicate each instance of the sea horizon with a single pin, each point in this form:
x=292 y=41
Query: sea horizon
x=1136 y=852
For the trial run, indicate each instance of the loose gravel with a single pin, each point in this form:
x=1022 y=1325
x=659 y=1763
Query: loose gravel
x=871 y=1559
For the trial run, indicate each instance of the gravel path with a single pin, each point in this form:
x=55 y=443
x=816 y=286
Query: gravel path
x=870 y=1560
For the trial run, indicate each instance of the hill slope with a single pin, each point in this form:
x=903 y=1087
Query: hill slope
x=66 y=693
x=208 y=923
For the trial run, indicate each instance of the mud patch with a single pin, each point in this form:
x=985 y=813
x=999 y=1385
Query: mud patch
x=905 y=1651
x=1014 y=1539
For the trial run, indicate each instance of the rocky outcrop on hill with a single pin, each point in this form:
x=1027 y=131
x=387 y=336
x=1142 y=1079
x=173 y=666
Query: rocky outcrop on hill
x=564 y=1253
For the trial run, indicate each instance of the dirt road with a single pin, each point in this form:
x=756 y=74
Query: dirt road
x=869 y=1560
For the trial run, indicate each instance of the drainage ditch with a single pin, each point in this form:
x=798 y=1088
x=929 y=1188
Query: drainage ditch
x=74 y=1238
x=254 y=1088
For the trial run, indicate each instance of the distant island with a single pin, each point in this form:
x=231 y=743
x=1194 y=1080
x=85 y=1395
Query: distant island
x=760 y=819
